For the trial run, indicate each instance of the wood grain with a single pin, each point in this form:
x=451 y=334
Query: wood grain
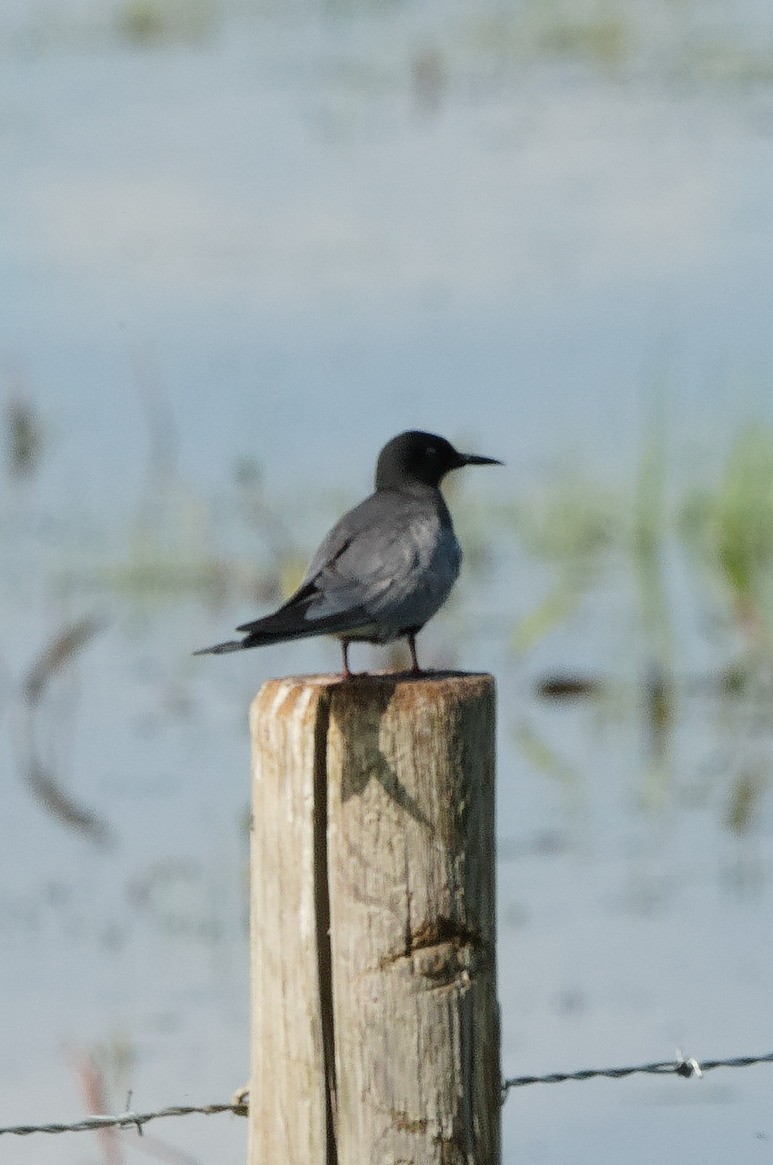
x=375 y=1022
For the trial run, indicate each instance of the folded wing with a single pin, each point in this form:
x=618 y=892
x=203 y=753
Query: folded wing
x=363 y=573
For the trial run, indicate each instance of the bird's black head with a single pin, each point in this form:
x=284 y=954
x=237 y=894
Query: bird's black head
x=420 y=458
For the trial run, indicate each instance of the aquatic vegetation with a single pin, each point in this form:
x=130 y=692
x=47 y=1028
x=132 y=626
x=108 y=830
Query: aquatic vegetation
x=23 y=438
x=41 y=780
x=571 y=526
x=585 y=536
x=546 y=760
x=675 y=41
x=649 y=537
x=728 y=530
x=147 y=23
x=746 y=794
x=691 y=44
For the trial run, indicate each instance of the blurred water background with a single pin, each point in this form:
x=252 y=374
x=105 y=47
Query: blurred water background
x=242 y=243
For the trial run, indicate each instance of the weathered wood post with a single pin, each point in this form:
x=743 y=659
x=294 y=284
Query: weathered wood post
x=375 y=1027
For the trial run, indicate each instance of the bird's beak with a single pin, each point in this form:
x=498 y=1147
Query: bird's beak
x=475 y=459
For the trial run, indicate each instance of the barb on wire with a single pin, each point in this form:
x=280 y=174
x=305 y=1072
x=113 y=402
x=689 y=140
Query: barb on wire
x=682 y=1066
x=123 y=1120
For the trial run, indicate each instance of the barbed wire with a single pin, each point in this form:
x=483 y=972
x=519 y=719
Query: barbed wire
x=685 y=1066
x=124 y=1119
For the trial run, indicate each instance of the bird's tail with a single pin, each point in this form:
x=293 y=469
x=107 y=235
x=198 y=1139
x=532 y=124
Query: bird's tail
x=288 y=623
x=222 y=648
x=265 y=632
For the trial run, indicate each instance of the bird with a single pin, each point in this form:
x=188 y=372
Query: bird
x=386 y=567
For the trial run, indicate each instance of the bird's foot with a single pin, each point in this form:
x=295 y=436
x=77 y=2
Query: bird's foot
x=415 y=669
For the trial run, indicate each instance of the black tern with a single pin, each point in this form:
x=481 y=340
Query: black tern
x=386 y=567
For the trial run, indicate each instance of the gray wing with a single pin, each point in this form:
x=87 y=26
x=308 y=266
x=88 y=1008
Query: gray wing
x=369 y=560
x=353 y=523
x=396 y=567
x=387 y=564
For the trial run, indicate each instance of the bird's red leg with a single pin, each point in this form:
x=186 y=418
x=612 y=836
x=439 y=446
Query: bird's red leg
x=346 y=674
x=414 y=661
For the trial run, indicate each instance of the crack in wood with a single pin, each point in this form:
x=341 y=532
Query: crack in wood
x=322 y=918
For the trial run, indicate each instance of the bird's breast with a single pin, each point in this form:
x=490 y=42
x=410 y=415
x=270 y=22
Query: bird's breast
x=442 y=560
x=438 y=559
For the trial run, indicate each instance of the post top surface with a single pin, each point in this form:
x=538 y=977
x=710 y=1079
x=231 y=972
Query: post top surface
x=405 y=687
x=381 y=678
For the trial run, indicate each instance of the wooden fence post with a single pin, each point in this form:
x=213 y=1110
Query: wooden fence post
x=375 y=1027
